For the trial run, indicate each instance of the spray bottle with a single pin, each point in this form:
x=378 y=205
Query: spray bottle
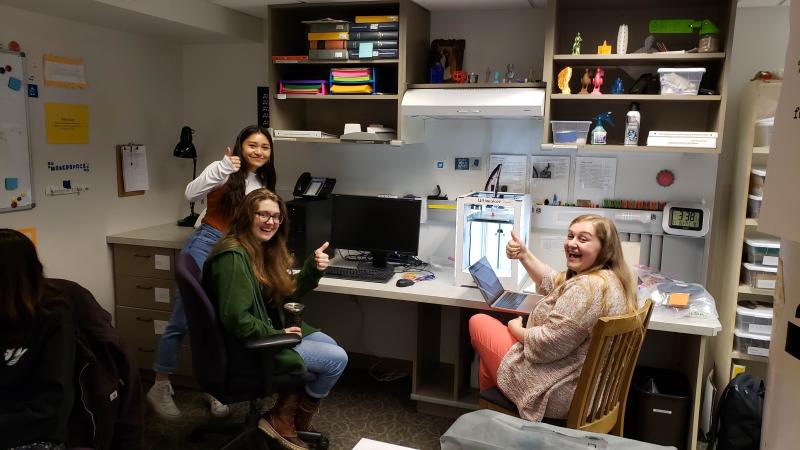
x=632 y=122
x=599 y=133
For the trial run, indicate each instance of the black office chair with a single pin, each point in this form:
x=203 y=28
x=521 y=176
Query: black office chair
x=210 y=364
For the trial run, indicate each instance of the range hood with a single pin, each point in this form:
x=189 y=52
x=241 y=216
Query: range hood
x=479 y=102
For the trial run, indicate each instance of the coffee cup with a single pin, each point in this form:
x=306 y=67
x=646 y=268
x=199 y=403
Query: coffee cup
x=293 y=314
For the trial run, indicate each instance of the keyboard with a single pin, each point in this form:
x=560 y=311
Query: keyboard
x=510 y=300
x=360 y=274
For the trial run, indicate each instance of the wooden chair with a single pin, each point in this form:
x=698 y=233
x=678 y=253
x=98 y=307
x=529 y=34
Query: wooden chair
x=602 y=391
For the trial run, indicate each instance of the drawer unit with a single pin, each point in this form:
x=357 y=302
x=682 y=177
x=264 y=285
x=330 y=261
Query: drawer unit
x=144 y=353
x=142 y=330
x=152 y=262
x=143 y=292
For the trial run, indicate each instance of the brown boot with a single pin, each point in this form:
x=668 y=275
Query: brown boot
x=305 y=411
x=278 y=422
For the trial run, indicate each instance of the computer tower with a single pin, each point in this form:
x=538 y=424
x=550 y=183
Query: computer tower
x=309 y=227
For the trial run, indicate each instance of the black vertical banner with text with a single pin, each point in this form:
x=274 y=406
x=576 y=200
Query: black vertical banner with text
x=263 y=106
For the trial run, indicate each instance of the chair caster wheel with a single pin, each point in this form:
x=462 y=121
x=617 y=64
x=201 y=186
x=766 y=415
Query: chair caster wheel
x=323 y=444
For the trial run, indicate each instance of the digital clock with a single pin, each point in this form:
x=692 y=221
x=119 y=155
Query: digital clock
x=686 y=219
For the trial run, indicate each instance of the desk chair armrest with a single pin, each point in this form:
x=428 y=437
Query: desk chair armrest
x=274 y=343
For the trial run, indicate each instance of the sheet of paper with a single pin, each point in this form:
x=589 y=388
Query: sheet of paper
x=134 y=168
x=66 y=123
x=162 y=262
x=549 y=178
x=594 y=178
x=64 y=72
x=365 y=50
x=161 y=295
x=369 y=444
x=513 y=174
x=159 y=326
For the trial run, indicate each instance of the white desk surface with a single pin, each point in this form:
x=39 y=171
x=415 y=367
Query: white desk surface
x=440 y=291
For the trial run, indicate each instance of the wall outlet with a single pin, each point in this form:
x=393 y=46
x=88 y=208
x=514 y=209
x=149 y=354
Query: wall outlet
x=474 y=164
x=438 y=164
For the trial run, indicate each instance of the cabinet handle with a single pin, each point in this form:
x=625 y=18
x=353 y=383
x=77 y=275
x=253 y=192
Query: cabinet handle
x=146 y=350
x=144 y=319
x=139 y=255
x=139 y=286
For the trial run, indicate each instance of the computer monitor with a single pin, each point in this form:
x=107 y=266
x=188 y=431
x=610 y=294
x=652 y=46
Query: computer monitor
x=378 y=225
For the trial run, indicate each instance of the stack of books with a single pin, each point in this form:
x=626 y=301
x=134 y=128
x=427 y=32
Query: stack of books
x=374 y=37
x=356 y=80
x=699 y=139
x=327 y=38
x=307 y=87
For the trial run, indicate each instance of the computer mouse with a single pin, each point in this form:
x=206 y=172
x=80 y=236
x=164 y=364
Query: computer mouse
x=404 y=282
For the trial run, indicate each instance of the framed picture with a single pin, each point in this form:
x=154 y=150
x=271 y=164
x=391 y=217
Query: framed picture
x=450 y=54
x=461 y=164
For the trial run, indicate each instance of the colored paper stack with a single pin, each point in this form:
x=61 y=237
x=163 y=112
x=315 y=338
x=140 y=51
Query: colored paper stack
x=327 y=39
x=357 y=80
x=374 y=37
x=307 y=87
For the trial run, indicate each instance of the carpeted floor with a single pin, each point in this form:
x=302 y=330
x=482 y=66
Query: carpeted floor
x=358 y=407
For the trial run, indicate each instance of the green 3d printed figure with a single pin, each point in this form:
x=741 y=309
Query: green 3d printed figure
x=576 y=44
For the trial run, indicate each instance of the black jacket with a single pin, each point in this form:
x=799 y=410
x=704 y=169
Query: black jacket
x=108 y=410
x=36 y=381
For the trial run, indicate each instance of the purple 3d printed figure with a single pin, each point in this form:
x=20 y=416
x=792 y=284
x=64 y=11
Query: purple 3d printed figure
x=597 y=81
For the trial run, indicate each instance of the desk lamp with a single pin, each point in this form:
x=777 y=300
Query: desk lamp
x=185 y=149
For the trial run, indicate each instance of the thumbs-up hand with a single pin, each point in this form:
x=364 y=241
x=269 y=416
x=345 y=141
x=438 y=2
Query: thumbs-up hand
x=515 y=249
x=321 y=258
x=235 y=161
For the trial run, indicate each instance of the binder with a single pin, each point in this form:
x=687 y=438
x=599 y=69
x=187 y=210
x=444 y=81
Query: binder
x=327 y=54
x=373 y=35
x=376 y=19
x=353 y=45
x=329 y=36
x=327 y=45
x=390 y=26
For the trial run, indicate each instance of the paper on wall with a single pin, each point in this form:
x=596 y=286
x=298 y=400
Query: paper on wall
x=513 y=174
x=594 y=178
x=134 y=168
x=549 y=178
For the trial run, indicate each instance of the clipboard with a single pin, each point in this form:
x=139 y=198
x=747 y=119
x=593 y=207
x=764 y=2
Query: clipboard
x=120 y=178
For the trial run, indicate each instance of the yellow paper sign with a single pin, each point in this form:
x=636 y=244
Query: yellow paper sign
x=67 y=123
x=30 y=232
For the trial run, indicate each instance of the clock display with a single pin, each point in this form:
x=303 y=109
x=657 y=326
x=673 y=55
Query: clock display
x=686 y=218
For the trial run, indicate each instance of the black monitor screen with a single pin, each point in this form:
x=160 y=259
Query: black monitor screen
x=376 y=224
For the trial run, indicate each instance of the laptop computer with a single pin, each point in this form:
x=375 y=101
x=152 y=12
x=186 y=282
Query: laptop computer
x=494 y=294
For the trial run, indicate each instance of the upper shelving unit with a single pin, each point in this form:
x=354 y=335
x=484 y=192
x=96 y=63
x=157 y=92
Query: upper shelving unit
x=642 y=57
x=636 y=98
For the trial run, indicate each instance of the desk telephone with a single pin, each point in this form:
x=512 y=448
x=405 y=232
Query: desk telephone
x=317 y=187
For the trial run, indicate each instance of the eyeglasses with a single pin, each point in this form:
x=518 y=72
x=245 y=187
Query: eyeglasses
x=265 y=217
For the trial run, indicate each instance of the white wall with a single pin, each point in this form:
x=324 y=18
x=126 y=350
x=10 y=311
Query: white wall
x=134 y=94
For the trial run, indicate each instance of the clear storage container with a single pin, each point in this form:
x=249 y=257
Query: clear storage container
x=750 y=343
x=754 y=206
x=757 y=177
x=570 y=131
x=680 y=81
x=759 y=276
x=763 y=134
x=762 y=251
x=754 y=320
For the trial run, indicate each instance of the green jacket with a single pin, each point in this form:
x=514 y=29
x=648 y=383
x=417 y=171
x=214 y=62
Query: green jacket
x=233 y=289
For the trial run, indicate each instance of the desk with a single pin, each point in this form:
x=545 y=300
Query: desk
x=435 y=383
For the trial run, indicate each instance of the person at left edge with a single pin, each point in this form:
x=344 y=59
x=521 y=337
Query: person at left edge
x=250 y=165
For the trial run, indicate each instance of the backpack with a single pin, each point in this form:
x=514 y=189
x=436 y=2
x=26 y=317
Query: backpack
x=737 y=422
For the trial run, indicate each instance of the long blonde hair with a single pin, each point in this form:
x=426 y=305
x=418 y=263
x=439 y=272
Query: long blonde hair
x=270 y=260
x=609 y=258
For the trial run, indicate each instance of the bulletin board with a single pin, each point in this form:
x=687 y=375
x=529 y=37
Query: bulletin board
x=15 y=158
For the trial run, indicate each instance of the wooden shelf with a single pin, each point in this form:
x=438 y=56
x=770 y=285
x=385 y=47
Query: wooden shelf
x=365 y=97
x=745 y=357
x=638 y=98
x=348 y=62
x=761 y=150
x=643 y=57
x=394 y=143
x=745 y=289
x=628 y=148
x=476 y=85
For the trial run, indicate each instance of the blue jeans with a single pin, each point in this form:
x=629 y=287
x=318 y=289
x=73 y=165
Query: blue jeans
x=324 y=358
x=198 y=245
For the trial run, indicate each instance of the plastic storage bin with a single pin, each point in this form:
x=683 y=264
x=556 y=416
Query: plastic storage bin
x=762 y=251
x=570 y=131
x=680 y=81
x=754 y=205
x=759 y=276
x=757 y=320
x=763 y=134
x=658 y=410
x=751 y=343
x=757 y=177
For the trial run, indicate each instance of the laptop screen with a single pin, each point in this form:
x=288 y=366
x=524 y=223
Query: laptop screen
x=486 y=280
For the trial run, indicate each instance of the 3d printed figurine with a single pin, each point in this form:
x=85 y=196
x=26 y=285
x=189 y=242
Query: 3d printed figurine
x=604 y=49
x=649 y=41
x=618 y=88
x=622 y=40
x=563 y=80
x=488 y=75
x=510 y=72
x=586 y=80
x=496 y=77
x=576 y=44
x=597 y=81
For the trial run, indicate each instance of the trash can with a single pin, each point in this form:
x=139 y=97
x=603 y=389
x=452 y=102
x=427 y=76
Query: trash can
x=659 y=405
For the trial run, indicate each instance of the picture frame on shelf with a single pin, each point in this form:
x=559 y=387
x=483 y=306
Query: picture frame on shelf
x=450 y=54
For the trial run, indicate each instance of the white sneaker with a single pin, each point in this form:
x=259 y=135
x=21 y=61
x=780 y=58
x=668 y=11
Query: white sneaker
x=217 y=408
x=160 y=398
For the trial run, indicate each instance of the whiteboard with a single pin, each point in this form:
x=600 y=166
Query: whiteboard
x=15 y=156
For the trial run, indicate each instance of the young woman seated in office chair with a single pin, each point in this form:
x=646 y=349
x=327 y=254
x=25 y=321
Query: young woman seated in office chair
x=537 y=365
x=247 y=278
x=37 y=340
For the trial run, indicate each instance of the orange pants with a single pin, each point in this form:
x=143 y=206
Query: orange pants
x=491 y=340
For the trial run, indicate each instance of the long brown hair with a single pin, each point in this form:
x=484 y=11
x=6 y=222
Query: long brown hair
x=22 y=287
x=234 y=188
x=609 y=258
x=270 y=260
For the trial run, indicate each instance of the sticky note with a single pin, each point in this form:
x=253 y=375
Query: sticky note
x=14 y=83
x=365 y=50
x=162 y=262
x=678 y=300
x=11 y=183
